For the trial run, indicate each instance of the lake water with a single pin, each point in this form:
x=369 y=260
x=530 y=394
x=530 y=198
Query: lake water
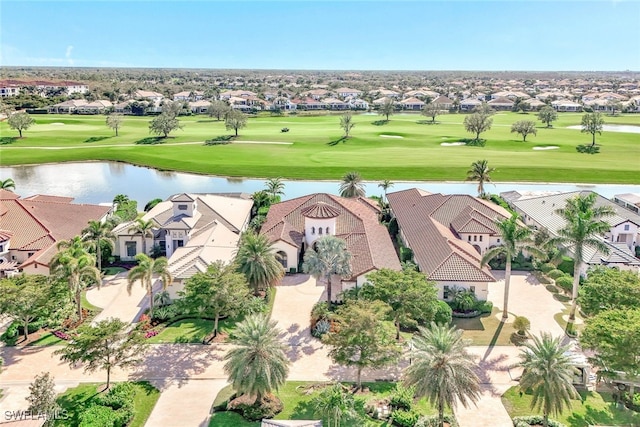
x=99 y=182
x=614 y=128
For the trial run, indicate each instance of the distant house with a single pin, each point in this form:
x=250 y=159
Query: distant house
x=422 y=93
x=621 y=239
x=469 y=104
x=148 y=94
x=95 y=107
x=226 y=95
x=566 y=106
x=535 y=104
x=9 y=88
x=67 y=107
x=336 y=104
x=295 y=225
x=32 y=226
x=630 y=201
x=444 y=102
x=345 y=92
x=186 y=95
x=389 y=93
x=358 y=104
x=192 y=230
x=413 y=104
x=510 y=95
x=317 y=94
x=448 y=235
x=310 y=104
x=501 y=104
x=199 y=107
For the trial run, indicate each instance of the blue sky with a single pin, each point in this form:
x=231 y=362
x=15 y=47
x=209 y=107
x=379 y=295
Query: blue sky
x=334 y=35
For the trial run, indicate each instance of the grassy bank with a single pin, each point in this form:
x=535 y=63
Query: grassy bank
x=315 y=150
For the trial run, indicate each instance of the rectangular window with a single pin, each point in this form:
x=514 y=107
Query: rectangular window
x=445 y=292
x=30 y=254
x=178 y=244
x=481 y=238
x=626 y=227
x=475 y=238
x=472 y=289
x=1 y=248
x=469 y=237
x=131 y=248
x=182 y=207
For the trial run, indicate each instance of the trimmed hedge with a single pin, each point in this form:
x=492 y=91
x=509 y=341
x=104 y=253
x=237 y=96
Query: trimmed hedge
x=443 y=314
x=532 y=420
x=554 y=274
x=432 y=421
x=402 y=418
x=565 y=282
x=484 y=307
x=547 y=267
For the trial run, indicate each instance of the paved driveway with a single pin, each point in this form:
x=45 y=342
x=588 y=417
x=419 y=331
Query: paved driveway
x=115 y=301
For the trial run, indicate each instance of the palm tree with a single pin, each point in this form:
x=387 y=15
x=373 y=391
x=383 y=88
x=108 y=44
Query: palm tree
x=143 y=228
x=548 y=374
x=352 y=185
x=514 y=239
x=334 y=403
x=98 y=233
x=329 y=257
x=385 y=185
x=144 y=272
x=257 y=260
x=584 y=223
x=442 y=370
x=257 y=364
x=77 y=266
x=275 y=187
x=7 y=184
x=480 y=171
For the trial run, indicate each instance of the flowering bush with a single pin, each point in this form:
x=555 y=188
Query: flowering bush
x=151 y=333
x=144 y=318
x=61 y=335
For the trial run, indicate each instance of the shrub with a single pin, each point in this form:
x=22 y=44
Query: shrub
x=284 y=130
x=403 y=418
x=532 y=420
x=432 y=421
x=554 y=274
x=565 y=282
x=443 y=313
x=406 y=254
x=522 y=325
x=219 y=140
x=402 y=397
x=61 y=335
x=268 y=408
x=98 y=416
x=588 y=149
x=566 y=266
x=118 y=396
x=322 y=327
x=264 y=210
x=319 y=311
x=151 y=333
x=10 y=336
x=464 y=300
x=547 y=267
x=484 y=307
x=164 y=313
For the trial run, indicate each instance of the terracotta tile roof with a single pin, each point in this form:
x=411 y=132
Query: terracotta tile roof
x=320 y=210
x=5 y=235
x=46 y=198
x=428 y=222
x=357 y=223
x=7 y=195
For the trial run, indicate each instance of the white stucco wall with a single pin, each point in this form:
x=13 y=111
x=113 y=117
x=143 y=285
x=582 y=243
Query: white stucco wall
x=291 y=251
x=121 y=246
x=312 y=226
x=483 y=241
x=481 y=288
x=632 y=232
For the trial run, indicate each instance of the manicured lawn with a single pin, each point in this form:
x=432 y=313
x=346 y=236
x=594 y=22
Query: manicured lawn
x=317 y=151
x=297 y=403
x=77 y=399
x=111 y=271
x=593 y=409
x=86 y=304
x=48 y=339
x=485 y=330
x=191 y=331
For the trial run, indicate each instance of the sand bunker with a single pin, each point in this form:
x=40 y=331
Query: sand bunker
x=552 y=147
x=452 y=144
x=391 y=136
x=57 y=124
x=262 y=142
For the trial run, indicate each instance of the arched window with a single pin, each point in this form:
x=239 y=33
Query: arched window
x=327 y=230
x=320 y=230
x=313 y=230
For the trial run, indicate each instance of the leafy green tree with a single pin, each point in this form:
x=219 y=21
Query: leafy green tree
x=410 y=295
x=126 y=209
x=145 y=270
x=352 y=185
x=261 y=198
x=442 y=370
x=98 y=234
x=387 y=108
x=432 y=110
x=218 y=109
x=104 y=345
x=515 y=239
x=522 y=325
x=346 y=123
x=151 y=204
x=477 y=123
x=256 y=259
x=76 y=266
x=583 y=224
x=615 y=337
x=592 y=123
x=335 y=403
x=7 y=184
x=163 y=124
x=144 y=229
x=363 y=339
x=257 y=363
x=329 y=257
x=20 y=121
x=235 y=120
x=481 y=172
x=609 y=288
x=275 y=187
x=42 y=398
x=524 y=128
x=220 y=291
x=114 y=121
x=548 y=115
x=548 y=374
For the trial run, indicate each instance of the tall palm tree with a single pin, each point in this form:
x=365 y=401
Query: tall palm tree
x=275 y=187
x=584 y=223
x=442 y=370
x=7 y=184
x=144 y=272
x=481 y=172
x=548 y=374
x=352 y=185
x=385 y=185
x=144 y=229
x=98 y=233
x=329 y=257
x=77 y=266
x=257 y=364
x=514 y=239
x=257 y=260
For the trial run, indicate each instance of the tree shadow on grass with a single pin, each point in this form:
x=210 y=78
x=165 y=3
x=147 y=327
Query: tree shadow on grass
x=96 y=139
x=380 y=122
x=151 y=140
x=342 y=139
x=4 y=140
x=427 y=122
x=304 y=410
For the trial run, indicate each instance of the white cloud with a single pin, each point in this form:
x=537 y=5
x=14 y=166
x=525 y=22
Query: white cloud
x=68 y=54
